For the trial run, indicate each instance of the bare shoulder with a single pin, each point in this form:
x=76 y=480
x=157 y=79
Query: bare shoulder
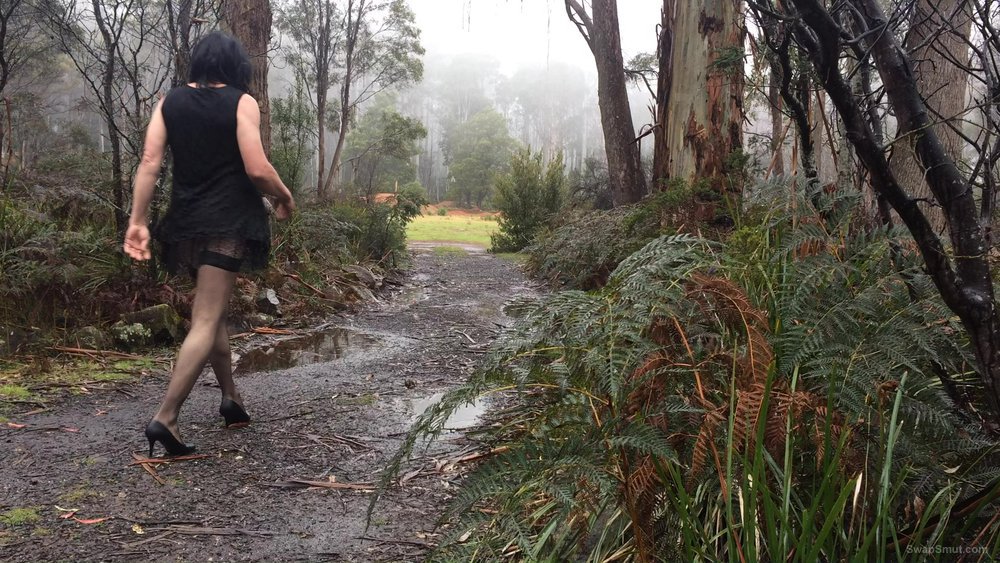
x=248 y=107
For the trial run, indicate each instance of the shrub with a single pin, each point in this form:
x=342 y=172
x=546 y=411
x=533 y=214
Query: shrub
x=442 y=211
x=675 y=415
x=586 y=246
x=526 y=197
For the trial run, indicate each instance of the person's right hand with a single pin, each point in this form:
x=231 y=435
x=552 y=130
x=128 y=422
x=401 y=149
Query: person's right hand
x=137 y=242
x=283 y=209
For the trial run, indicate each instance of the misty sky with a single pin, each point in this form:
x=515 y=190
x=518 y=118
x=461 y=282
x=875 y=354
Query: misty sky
x=526 y=32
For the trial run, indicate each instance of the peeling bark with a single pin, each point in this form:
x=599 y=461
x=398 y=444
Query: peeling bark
x=704 y=109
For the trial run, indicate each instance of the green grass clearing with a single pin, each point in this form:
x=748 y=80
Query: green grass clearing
x=468 y=229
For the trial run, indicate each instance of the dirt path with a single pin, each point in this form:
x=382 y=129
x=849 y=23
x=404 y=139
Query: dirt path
x=337 y=415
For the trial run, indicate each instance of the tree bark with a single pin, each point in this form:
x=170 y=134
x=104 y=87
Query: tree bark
x=665 y=76
x=603 y=37
x=705 y=111
x=938 y=29
x=961 y=275
x=250 y=22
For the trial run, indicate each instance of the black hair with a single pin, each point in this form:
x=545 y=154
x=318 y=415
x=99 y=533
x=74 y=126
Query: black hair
x=220 y=57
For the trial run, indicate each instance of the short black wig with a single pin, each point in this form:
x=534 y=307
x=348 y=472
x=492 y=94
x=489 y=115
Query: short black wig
x=220 y=58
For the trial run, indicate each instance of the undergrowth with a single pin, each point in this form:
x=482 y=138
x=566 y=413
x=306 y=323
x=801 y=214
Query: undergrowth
x=792 y=395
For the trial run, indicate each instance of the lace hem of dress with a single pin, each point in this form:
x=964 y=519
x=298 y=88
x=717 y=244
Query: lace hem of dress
x=229 y=253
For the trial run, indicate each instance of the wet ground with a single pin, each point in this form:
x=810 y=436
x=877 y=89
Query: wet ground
x=330 y=406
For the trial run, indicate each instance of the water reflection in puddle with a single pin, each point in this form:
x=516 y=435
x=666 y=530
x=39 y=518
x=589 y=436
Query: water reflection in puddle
x=312 y=349
x=465 y=416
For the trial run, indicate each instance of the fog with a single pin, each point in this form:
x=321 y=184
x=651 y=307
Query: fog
x=526 y=32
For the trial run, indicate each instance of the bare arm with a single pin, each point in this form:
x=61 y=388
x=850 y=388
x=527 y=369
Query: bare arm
x=137 y=234
x=149 y=167
x=258 y=168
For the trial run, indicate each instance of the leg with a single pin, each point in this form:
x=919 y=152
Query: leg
x=214 y=287
x=222 y=363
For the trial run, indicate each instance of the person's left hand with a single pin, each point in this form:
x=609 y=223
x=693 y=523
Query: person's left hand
x=283 y=210
x=137 y=242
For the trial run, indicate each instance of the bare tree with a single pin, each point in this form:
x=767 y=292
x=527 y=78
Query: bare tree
x=380 y=49
x=599 y=27
x=314 y=25
x=116 y=47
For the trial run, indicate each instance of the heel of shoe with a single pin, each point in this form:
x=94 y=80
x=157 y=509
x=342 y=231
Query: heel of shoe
x=234 y=414
x=157 y=432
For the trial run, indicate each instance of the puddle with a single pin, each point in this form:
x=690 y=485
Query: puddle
x=315 y=348
x=465 y=416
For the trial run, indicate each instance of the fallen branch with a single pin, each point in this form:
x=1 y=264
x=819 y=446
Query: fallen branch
x=204 y=531
x=144 y=460
x=304 y=484
x=149 y=469
x=314 y=289
x=424 y=545
x=89 y=352
x=269 y=330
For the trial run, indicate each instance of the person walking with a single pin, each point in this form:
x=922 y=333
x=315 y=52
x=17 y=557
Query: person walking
x=217 y=223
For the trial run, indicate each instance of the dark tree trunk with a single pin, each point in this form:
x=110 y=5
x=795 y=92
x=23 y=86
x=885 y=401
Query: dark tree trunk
x=938 y=32
x=180 y=37
x=961 y=274
x=602 y=34
x=250 y=22
x=110 y=47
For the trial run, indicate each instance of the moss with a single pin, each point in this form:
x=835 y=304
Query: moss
x=111 y=376
x=20 y=517
x=14 y=392
x=78 y=494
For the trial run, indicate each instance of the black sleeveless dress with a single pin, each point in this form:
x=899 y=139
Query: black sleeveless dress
x=216 y=215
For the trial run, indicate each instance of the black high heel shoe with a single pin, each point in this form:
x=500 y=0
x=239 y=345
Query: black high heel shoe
x=233 y=413
x=157 y=432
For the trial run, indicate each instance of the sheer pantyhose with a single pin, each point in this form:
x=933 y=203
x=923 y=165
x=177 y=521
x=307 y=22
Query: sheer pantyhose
x=207 y=341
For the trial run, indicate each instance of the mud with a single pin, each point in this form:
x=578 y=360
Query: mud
x=328 y=405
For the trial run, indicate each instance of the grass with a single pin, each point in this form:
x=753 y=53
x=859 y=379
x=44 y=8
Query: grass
x=20 y=516
x=467 y=229
x=14 y=392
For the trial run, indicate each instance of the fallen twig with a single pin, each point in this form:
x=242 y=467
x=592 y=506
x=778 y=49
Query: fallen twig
x=205 y=531
x=149 y=469
x=139 y=460
x=465 y=335
x=304 y=413
x=269 y=330
x=424 y=545
x=89 y=352
x=301 y=281
x=304 y=483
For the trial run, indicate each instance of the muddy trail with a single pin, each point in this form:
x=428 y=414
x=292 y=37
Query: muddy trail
x=330 y=408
